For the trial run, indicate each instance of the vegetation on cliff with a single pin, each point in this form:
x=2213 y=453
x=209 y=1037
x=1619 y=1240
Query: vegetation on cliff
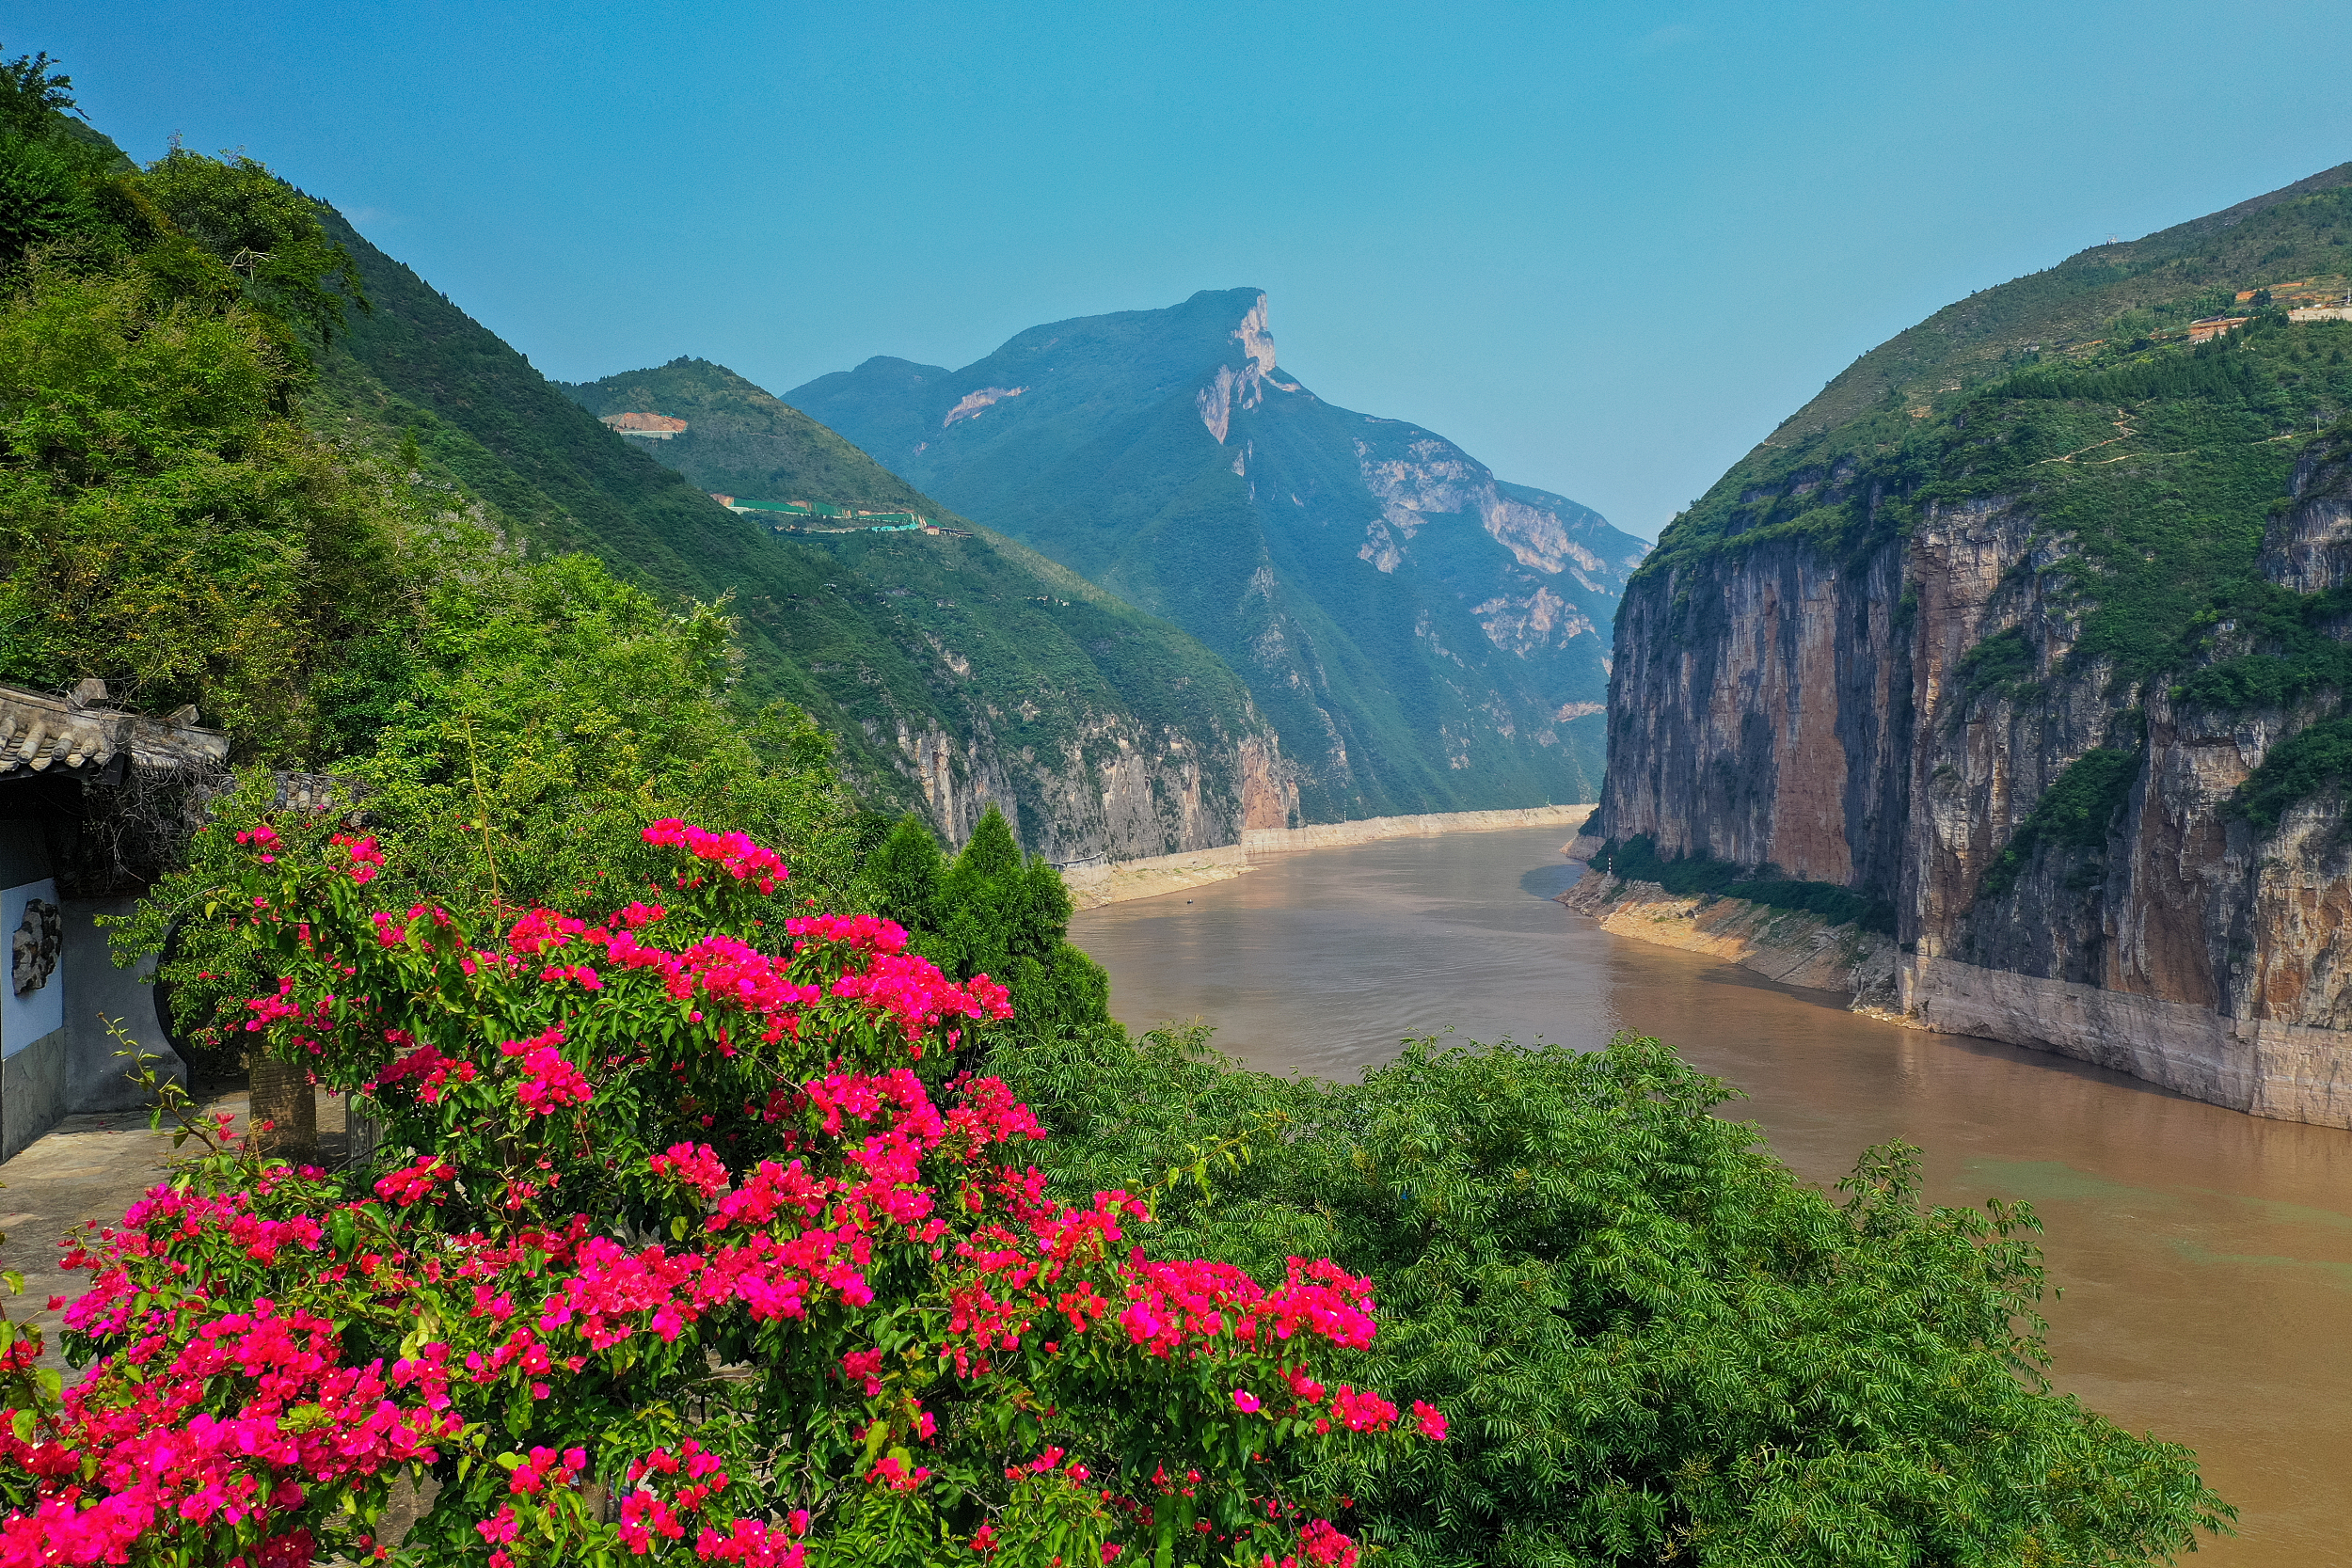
x=2073 y=813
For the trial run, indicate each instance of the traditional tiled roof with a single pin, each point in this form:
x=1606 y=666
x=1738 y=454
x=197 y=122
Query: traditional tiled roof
x=78 y=735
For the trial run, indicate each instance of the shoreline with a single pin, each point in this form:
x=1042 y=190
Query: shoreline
x=1120 y=881
x=1789 y=946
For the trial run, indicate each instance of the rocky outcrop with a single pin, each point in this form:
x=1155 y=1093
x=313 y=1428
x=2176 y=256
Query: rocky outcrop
x=1776 y=707
x=2311 y=549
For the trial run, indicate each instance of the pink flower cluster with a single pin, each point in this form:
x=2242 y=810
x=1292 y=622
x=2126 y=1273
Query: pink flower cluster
x=646 y=1515
x=429 y=1069
x=910 y=988
x=367 y=859
x=416 y=1182
x=833 y=1223
x=720 y=970
x=308 y=1022
x=867 y=933
x=743 y=860
x=163 y=1464
x=834 y=1174
x=542 y=932
x=549 y=1080
x=1322 y=1543
x=696 y=1165
x=1171 y=1304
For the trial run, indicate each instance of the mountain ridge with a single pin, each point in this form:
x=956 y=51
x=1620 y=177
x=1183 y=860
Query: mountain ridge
x=2155 y=285
x=1410 y=625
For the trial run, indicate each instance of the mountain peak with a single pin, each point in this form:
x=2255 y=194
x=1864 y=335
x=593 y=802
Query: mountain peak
x=1420 y=639
x=1244 y=387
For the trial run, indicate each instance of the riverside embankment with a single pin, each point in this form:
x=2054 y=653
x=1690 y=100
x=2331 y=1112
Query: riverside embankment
x=1092 y=886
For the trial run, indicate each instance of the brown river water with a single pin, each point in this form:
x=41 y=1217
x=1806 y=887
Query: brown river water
x=2204 y=1256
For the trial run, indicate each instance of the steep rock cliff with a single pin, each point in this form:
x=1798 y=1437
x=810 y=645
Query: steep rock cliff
x=2048 y=649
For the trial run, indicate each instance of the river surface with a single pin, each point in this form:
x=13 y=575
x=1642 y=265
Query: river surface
x=2205 y=1256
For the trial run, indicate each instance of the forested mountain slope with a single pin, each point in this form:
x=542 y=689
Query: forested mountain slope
x=1423 y=636
x=959 y=671
x=2033 y=631
x=742 y=440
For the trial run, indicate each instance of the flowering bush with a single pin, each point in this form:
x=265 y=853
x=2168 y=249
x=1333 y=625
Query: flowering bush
x=692 y=1239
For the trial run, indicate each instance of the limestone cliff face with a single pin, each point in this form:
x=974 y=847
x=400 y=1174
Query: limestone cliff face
x=1120 y=790
x=1755 y=715
x=1776 y=707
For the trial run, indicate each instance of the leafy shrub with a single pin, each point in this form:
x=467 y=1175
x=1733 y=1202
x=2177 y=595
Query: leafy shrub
x=2002 y=664
x=2294 y=770
x=2073 y=813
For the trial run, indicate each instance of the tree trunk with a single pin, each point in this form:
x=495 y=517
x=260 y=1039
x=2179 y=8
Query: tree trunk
x=283 y=1098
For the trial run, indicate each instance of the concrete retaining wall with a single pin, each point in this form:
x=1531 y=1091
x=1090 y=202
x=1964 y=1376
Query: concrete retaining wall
x=1115 y=882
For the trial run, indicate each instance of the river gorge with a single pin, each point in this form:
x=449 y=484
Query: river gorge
x=2204 y=1257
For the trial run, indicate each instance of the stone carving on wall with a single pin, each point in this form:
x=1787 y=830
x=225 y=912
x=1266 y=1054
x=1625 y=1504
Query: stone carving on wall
x=35 y=946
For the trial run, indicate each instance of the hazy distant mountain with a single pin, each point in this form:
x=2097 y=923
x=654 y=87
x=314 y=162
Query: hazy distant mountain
x=1423 y=636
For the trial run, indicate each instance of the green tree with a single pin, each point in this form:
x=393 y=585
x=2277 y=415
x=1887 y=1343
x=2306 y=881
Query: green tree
x=33 y=95
x=902 y=873
x=263 y=230
x=44 y=198
x=162 y=526
x=991 y=912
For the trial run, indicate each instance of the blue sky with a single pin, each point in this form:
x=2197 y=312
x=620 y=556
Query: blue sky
x=1605 y=247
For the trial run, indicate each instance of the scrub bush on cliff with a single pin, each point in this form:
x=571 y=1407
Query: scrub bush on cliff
x=690 y=1240
x=1657 y=1344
